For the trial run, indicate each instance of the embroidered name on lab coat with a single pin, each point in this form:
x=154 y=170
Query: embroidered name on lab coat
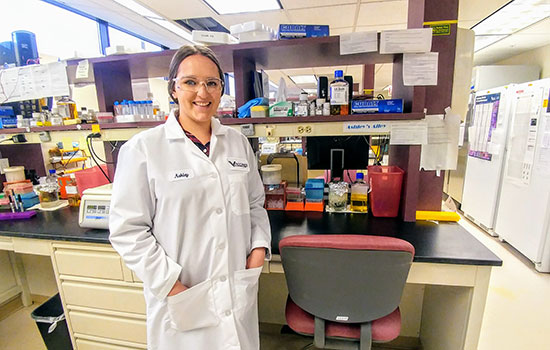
x=178 y=175
x=238 y=164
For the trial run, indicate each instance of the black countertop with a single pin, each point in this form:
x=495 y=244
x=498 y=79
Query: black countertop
x=436 y=243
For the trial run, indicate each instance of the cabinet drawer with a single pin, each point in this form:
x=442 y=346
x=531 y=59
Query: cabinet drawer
x=104 y=297
x=84 y=344
x=112 y=327
x=89 y=264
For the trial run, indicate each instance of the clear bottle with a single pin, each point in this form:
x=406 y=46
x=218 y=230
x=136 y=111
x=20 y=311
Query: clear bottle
x=48 y=191
x=302 y=108
x=319 y=106
x=359 y=194
x=339 y=94
x=67 y=108
x=56 y=118
x=338 y=195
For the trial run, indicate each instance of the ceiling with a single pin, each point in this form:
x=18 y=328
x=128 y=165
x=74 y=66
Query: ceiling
x=343 y=16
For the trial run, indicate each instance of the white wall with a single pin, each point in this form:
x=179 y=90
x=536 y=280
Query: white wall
x=539 y=57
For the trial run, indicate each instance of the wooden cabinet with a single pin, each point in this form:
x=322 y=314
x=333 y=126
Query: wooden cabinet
x=103 y=299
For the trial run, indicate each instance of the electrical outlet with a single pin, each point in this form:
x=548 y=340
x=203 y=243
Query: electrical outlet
x=304 y=129
x=300 y=129
x=307 y=129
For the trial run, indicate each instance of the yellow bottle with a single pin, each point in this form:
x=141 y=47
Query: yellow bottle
x=359 y=194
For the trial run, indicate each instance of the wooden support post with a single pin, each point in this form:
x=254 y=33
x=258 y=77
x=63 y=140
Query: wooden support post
x=244 y=84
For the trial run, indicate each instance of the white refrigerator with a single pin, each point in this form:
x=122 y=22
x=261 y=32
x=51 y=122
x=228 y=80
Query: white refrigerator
x=485 y=161
x=524 y=204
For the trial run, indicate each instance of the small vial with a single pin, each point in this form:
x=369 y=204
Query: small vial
x=326 y=108
x=302 y=108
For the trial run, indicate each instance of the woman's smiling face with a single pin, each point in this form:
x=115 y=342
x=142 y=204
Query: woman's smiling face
x=200 y=105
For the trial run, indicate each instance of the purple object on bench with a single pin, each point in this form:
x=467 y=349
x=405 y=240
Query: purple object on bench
x=17 y=215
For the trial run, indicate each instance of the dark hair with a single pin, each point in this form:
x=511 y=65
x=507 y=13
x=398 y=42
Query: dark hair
x=184 y=52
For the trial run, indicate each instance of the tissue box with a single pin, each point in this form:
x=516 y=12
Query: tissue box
x=281 y=109
x=376 y=106
x=294 y=31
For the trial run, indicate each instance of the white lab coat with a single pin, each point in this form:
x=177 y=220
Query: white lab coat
x=178 y=214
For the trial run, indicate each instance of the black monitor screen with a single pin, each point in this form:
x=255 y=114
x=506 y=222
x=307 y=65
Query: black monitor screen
x=318 y=150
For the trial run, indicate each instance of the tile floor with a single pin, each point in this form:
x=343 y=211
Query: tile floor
x=516 y=313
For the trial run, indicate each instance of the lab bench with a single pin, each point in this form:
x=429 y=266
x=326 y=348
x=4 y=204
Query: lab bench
x=442 y=305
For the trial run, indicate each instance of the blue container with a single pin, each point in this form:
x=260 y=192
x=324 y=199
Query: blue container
x=376 y=106
x=314 y=190
x=295 y=31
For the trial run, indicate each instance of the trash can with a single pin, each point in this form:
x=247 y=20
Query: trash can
x=50 y=320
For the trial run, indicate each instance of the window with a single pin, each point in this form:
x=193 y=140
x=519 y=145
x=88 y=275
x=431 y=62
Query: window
x=118 y=37
x=59 y=33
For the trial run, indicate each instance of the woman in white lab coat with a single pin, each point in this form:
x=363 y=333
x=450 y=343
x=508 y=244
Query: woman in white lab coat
x=187 y=216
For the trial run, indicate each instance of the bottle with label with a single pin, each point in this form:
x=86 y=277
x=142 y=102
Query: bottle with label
x=359 y=194
x=48 y=191
x=339 y=94
x=302 y=108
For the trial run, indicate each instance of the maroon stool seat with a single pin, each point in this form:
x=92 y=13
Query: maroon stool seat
x=345 y=290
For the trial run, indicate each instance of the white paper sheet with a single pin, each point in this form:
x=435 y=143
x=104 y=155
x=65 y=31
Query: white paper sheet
x=351 y=43
x=441 y=151
x=420 y=68
x=82 y=70
x=406 y=41
x=33 y=82
x=409 y=133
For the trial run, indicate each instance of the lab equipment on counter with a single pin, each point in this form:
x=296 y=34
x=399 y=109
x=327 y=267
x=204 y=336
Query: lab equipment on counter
x=271 y=174
x=437 y=215
x=95 y=206
x=315 y=189
x=17 y=215
x=294 y=199
x=275 y=196
x=359 y=194
x=385 y=189
x=338 y=195
x=48 y=191
x=15 y=173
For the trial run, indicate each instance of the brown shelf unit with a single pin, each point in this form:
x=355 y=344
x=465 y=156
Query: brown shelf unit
x=324 y=119
x=421 y=190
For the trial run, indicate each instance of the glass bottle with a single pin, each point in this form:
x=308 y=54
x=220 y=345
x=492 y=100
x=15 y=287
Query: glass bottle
x=48 y=192
x=67 y=108
x=338 y=195
x=302 y=108
x=339 y=94
x=359 y=194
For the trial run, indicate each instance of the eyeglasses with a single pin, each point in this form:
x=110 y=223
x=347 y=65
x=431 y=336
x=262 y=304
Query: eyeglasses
x=193 y=84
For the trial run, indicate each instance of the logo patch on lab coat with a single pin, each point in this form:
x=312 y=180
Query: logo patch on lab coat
x=239 y=164
x=178 y=175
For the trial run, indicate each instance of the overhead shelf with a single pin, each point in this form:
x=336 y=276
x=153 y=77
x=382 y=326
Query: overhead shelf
x=324 y=119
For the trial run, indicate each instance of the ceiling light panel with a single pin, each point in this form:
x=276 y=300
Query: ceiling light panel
x=173 y=28
x=224 y=7
x=482 y=41
x=513 y=17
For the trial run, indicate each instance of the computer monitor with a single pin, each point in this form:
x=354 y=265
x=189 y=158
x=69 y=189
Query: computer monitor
x=337 y=153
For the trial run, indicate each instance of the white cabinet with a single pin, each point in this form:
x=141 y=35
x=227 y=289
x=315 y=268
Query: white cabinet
x=103 y=300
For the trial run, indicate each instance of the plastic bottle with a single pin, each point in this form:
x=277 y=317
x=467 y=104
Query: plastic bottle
x=359 y=194
x=302 y=108
x=339 y=94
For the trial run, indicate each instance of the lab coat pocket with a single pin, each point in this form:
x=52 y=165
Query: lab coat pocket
x=193 y=308
x=246 y=288
x=239 y=193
